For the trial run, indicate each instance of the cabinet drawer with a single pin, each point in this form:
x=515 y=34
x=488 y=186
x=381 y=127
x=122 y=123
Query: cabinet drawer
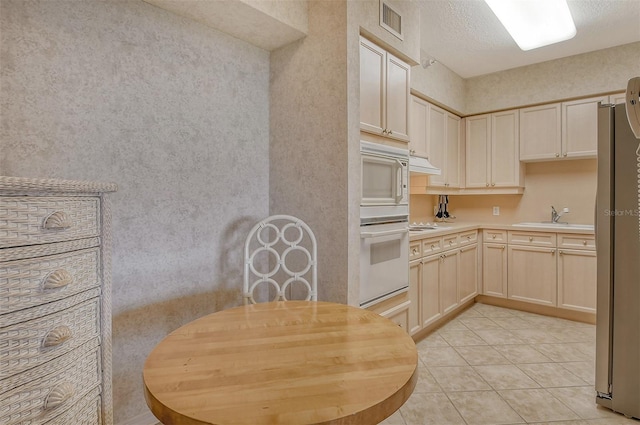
x=399 y=315
x=494 y=236
x=35 y=281
x=415 y=250
x=468 y=238
x=576 y=241
x=532 y=238
x=449 y=241
x=29 y=344
x=85 y=412
x=49 y=396
x=431 y=246
x=35 y=220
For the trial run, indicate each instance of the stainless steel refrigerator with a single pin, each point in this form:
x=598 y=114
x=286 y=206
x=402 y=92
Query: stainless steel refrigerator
x=618 y=253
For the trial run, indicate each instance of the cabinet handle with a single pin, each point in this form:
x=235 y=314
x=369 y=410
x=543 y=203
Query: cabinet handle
x=468 y=237
x=584 y=243
x=487 y=184
x=557 y=155
x=57 y=279
x=389 y=132
x=553 y=252
x=530 y=239
x=502 y=247
x=58 y=220
x=493 y=236
x=58 y=395
x=56 y=336
x=564 y=154
x=493 y=184
x=433 y=247
x=450 y=242
x=384 y=131
x=560 y=252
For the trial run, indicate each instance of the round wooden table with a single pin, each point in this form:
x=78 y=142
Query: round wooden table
x=292 y=362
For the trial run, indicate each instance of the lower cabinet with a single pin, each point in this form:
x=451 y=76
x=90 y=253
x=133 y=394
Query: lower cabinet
x=532 y=274
x=577 y=280
x=494 y=269
x=551 y=269
x=442 y=279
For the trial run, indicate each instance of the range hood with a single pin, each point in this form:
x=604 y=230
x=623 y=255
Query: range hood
x=422 y=166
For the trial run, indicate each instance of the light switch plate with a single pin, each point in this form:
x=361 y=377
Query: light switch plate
x=496 y=210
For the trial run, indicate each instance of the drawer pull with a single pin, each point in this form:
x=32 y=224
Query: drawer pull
x=493 y=236
x=59 y=395
x=56 y=336
x=584 y=243
x=58 y=220
x=530 y=239
x=57 y=279
x=433 y=247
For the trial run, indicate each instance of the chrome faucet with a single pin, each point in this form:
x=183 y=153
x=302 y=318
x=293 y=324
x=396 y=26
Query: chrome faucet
x=555 y=216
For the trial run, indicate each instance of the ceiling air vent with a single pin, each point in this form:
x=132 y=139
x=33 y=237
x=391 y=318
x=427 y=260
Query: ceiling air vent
x=390 y=20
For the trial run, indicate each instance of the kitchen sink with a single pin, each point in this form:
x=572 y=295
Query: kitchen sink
x=549 y=224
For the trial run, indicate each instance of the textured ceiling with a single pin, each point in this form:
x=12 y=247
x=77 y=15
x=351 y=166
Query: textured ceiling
x=466 y=37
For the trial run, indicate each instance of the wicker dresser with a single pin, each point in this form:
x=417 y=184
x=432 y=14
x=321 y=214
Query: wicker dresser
x=55 y=302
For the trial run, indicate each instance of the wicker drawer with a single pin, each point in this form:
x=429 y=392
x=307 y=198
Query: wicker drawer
x=532 y=239
x=49 y=396
x=29 y=344
x=494 y=236
x=576 y=241
x=36 y=281
x=35 y=220
x=468 y=238
x=84 y=412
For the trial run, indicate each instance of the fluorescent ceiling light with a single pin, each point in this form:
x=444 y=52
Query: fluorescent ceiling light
x=535 y=23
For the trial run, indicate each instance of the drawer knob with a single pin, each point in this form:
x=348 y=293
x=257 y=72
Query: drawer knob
x=584 y=243
x=58 y=220
x=530 y=239
x=469 y=238
x=56 y=336
x=58 y=395
x=433 y=247
x=57 y=279
x=493 y=236
x=450 y=242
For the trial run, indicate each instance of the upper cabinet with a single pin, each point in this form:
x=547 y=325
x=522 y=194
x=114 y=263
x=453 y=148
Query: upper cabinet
x=565 y=130
x=419 y=128
x=444 y=147
x=492 y=151
x=384 y=92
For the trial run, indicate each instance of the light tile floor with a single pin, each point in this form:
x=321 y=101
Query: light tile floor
x=493 y=365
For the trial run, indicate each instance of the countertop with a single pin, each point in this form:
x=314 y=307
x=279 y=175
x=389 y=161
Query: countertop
x=448 y=228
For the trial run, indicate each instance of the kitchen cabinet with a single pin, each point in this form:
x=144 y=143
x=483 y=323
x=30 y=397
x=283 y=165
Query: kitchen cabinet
x=566 y=130
x=444 y=147
x=532 y=274
x=419 y=128
x=494 y=263
x=580 y=127
x=384 y=92
x=577 y=272
x=493 y=151
x=445 y=277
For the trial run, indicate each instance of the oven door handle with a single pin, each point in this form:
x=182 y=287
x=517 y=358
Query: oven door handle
x=383 y=233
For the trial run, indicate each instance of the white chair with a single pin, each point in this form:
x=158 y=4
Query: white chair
x=280 y=236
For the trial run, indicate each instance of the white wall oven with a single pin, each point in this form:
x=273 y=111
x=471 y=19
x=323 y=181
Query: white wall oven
x=384 y=217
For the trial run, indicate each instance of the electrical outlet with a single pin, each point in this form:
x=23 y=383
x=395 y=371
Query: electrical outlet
x=496 y=210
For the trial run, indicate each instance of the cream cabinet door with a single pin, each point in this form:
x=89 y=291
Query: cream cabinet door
x=373 y=70
x=532 y=274
x=580 y=127
x=577 y=280
x=540 y=132
x=468 y=273
x=415 y=279
x=505 y=150
x=494 y=269
x=449 y=281
x=478 y=150
x=430 y=290
x=397 y=96
x=453 y=151
x=419 y=128
x=438 y=144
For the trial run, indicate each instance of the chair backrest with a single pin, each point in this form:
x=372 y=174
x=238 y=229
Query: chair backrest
x=268 y=245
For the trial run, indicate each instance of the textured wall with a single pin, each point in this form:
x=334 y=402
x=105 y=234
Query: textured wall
x=440 y=85
x=602 y=71
x=309 y=150
x=173 y=112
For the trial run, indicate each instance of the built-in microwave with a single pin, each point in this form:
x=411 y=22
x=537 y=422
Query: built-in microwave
x=385 y=175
